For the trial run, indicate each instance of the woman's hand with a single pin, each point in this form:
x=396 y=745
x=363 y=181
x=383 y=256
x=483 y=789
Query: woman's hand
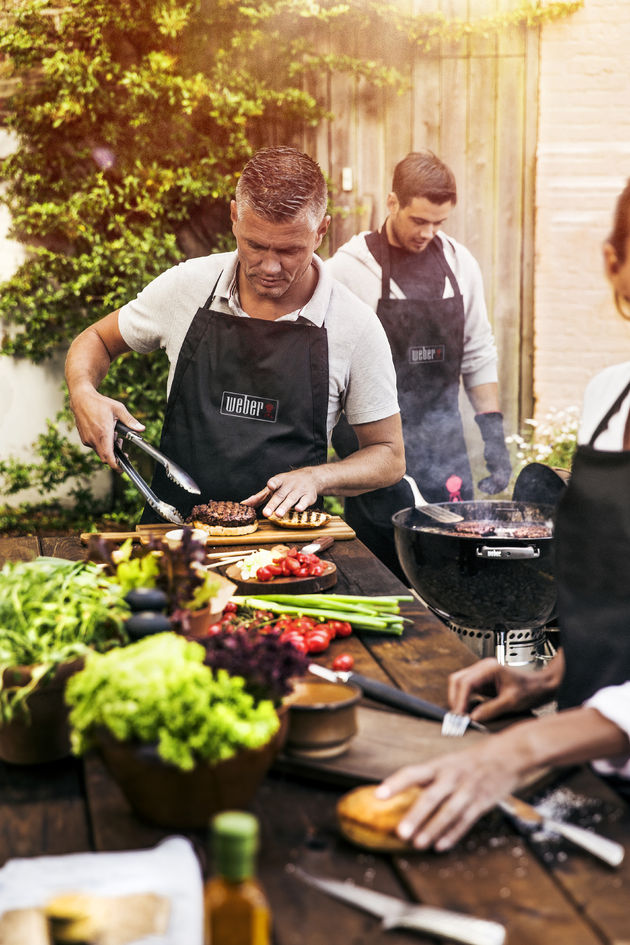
x=458 y=789
x=508 y=689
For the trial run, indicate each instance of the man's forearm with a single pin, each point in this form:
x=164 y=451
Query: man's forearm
x=372 y=467
x=87 y=362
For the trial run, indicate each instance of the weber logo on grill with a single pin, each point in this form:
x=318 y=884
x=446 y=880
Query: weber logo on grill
x=248 y=407
x=426 y=354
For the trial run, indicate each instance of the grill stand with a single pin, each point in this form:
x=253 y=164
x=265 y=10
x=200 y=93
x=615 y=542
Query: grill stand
x=527 y=649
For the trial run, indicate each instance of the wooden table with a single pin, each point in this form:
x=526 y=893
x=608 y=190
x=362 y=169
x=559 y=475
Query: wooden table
x=542 y=892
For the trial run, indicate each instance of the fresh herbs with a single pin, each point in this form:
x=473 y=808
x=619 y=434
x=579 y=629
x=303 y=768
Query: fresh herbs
x=176 y=570
x=52 y=611
x=266 y=663
x=158 y=691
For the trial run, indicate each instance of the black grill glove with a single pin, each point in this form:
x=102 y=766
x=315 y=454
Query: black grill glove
x=495 y=452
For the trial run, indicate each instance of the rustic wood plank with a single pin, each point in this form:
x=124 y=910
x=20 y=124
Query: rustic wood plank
x=19 y=549
x=493 y=874
x=42 y=810
x=63 y=546
x=601 y=893
x=309 y=838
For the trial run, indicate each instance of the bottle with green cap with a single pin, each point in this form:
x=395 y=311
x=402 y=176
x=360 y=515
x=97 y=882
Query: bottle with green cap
x=236 y=908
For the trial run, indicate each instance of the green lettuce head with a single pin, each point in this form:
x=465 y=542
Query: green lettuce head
x=158 y=691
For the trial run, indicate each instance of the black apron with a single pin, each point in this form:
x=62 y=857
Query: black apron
x=593 y=569
x=427 y=342
x=249 y=399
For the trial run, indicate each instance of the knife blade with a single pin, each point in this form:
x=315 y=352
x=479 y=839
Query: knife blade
x=390 y=695
x=396 y=913
x=608 y=850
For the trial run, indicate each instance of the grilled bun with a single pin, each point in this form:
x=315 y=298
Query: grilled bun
x=368 y=821
x=310 y=518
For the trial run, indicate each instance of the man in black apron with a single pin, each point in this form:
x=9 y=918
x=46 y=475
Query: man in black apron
x=438 y=330
x=250 y=402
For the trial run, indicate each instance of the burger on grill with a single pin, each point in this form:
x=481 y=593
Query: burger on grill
x=224 y=518
x=370 y=822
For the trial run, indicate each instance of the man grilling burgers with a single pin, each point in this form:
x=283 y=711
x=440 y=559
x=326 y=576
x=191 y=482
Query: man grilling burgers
x=265 y=350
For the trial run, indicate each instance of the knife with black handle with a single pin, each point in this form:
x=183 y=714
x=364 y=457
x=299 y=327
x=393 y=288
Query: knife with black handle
x=389 y=695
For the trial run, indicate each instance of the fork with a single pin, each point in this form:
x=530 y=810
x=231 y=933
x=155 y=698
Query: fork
x=437 y=512
x=454 y=725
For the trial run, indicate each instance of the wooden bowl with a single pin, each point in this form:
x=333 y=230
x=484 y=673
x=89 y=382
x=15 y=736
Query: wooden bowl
x=322 y=718
x=160 y=793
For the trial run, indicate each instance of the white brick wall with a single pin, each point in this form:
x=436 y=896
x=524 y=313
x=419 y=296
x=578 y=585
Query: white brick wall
x=583 y=162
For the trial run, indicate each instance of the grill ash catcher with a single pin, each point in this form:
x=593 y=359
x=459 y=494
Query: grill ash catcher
x=490 y=579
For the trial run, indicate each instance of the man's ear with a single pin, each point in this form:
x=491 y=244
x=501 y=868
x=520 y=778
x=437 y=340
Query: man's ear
x=233 y=212
x=392 y=202
x=322 y=229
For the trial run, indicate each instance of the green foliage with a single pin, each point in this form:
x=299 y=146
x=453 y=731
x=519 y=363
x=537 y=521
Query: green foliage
x=132 y=121
x=52 y=611
x=158 y=691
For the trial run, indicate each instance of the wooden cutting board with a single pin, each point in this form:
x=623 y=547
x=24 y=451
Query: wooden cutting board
x=266 y=533
x=384 y=742
x=312 y=584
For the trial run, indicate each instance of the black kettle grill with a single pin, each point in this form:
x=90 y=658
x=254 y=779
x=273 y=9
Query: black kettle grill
x=490 y=578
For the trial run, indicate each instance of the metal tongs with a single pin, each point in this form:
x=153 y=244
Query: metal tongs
x=173 y=471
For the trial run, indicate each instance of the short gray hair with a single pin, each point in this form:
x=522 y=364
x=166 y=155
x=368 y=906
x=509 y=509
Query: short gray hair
x=281 y=183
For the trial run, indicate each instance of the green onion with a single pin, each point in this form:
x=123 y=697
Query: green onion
x=362 y=613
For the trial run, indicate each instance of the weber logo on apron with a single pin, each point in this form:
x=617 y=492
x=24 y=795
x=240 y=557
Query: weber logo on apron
x=426 y=354
x=253 y=408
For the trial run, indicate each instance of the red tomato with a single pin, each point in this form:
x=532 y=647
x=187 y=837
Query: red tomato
x=316 y=569
x=264 y=574
x=292 y=563
x=274 y=568
x=230 y=607
x=342 y=628
x=343 y=663
x=316 y=641
x=304 y=571
x=295 y=640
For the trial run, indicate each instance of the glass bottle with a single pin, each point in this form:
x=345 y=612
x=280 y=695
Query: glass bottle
x=235 y=905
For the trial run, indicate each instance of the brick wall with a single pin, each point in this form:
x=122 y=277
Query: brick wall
x=582 y=164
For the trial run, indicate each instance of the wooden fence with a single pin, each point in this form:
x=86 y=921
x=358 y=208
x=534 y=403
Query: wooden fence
x=474 y=103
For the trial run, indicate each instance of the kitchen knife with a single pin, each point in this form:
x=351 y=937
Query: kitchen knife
x=382 y=692
x=396 y=913
x=607 y=850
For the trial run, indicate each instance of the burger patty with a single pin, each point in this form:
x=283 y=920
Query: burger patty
x=225 y=513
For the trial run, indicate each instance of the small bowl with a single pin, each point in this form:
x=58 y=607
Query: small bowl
x=322 y=718
x=174 y=537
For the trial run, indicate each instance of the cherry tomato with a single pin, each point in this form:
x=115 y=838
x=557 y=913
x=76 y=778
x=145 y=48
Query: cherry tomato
x=292 y=563
x=230 y=607
x=316 y=569
x=342 y=628
x=316 y=641
x=295 y=640
x=304 y=571
x=343 y=663
x=264 y=574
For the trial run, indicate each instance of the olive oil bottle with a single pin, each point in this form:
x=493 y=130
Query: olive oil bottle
x=235 y=905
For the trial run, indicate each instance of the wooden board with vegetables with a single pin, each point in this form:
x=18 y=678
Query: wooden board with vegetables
x=285 y=569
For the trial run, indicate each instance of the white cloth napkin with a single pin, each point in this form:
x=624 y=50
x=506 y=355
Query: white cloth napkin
x=169 y=869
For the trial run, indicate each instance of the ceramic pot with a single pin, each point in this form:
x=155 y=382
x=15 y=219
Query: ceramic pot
x=162 y=794
x=43 y=735
x=322 y=718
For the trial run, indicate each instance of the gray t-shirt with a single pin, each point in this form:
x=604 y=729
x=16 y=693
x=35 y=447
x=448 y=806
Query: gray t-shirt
x=361 y=376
